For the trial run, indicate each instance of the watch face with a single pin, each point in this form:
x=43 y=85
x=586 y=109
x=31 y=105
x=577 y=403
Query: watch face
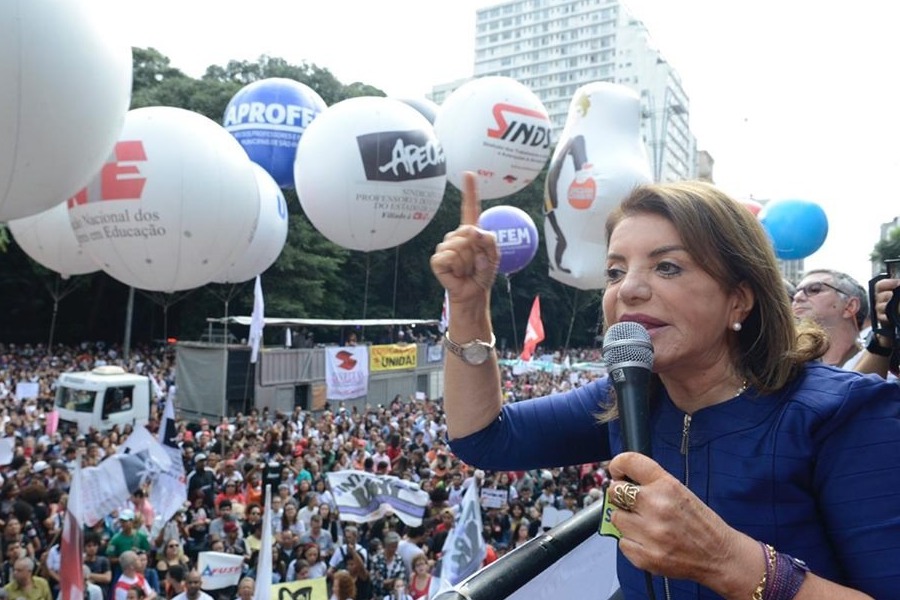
x=475 y=354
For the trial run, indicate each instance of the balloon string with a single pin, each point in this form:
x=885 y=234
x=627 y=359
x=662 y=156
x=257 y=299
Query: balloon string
x=512 y=314
x=394 y=301
x=572 y=320
x=366 y=291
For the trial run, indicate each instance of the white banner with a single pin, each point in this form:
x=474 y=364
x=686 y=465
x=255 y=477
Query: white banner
x=493 y=498
x=590 y=566
x=363 y=497
x=346 y=372
x=7 y=450
x=26 y=390
x=219 y=569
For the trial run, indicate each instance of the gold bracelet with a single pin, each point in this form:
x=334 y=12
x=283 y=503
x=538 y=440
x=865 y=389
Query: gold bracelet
x=769 y=554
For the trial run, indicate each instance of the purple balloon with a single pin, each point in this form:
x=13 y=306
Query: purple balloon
x=516 y=234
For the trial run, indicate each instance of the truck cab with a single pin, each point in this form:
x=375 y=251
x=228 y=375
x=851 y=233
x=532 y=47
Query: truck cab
x=101 y=399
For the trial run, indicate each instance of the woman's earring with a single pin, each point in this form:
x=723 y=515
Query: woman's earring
x=737 y=326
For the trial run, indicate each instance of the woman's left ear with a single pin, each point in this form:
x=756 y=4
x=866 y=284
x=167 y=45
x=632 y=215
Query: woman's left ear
x=743 y=301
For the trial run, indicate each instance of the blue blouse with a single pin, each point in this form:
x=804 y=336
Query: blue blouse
x=813 y=469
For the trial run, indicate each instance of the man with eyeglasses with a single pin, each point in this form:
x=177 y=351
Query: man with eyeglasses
x=839 y=305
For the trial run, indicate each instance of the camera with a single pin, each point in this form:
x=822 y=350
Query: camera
x=892 y=310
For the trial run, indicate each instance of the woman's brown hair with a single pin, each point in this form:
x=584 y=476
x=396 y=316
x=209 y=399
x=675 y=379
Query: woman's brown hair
x=730 y=244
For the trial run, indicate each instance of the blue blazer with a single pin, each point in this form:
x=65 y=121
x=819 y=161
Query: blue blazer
x=813 y=469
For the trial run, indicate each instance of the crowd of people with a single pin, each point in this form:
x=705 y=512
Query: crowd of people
x=759 y=430
x=227 y=464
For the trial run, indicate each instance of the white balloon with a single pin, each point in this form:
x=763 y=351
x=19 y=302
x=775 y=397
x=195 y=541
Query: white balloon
x=48 y=238
x=498 y=129
x=370 y=173
x=268 y=238
x=176 y=204
x=66 y=88
x=602 y=137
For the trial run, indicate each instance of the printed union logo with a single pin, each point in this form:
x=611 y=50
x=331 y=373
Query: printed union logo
x=120 y=178
x=520 y=125
x=401 y=156
x=347 y=361
x=273 y=113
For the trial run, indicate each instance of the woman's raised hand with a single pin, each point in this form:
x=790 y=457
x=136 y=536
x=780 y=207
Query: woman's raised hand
x=466 y=262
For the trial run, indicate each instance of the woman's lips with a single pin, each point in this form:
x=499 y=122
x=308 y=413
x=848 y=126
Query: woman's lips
x=649 y=323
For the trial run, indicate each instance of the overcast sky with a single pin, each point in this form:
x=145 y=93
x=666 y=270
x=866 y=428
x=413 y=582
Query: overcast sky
x=792 y=98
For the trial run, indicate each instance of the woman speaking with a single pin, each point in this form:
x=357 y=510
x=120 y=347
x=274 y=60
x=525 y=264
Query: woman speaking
x=772 y=475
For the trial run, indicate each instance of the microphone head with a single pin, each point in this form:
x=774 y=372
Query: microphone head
x=627 y=344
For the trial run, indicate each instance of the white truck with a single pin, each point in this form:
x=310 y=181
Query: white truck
x=101 y=399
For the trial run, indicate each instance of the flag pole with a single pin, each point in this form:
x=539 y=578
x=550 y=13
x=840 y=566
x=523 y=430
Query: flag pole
x=512 y=313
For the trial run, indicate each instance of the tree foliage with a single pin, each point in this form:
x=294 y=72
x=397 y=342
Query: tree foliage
x=888 y=248
x=312 y=277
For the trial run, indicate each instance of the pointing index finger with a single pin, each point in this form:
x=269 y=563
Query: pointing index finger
x=470 y=207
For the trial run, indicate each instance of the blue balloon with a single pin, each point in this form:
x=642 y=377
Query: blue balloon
x=268 y=117
x=797 y=228
x=516 y=235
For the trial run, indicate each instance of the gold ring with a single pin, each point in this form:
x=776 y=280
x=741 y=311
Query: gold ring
x=625 y=495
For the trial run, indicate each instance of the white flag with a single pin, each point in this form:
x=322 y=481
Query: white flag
x=257 y=320
x=263 y=589
x=464 y=548
x=169 y=491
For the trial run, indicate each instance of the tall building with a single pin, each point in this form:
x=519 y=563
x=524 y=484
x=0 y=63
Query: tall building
x=556 y=46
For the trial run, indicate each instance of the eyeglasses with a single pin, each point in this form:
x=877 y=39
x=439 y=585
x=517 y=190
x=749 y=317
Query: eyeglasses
x=816 y=287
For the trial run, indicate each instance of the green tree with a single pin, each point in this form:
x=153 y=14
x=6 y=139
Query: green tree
x=888 y=248
x=312 y=277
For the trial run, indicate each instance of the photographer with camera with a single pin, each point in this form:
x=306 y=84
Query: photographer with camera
x=881 y=356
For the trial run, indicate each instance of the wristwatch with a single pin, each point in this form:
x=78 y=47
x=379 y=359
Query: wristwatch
x=471 y=353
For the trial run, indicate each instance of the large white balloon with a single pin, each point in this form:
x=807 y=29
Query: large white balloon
x=174 y=206
x=602 y=137
x=66 y=88
x=48 y=238
x=270 y=235
x=370 y=173
x=498 y=129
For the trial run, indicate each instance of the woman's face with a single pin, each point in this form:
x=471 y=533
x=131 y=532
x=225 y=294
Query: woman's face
x=651 y=279
x=311 y=554
x=324 y=510
x=13 y=527
x=290 y=510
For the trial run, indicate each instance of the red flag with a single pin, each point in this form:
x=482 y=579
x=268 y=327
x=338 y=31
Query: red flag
x=534 y=332
x=71 y=575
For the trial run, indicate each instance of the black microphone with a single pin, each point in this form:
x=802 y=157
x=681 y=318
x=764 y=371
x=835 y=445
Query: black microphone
x=628 y=353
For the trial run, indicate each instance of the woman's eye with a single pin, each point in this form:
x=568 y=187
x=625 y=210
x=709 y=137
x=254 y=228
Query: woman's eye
x=614 y=274
x=667 y=268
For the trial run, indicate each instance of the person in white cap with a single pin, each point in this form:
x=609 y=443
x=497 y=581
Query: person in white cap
x=128 y=537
